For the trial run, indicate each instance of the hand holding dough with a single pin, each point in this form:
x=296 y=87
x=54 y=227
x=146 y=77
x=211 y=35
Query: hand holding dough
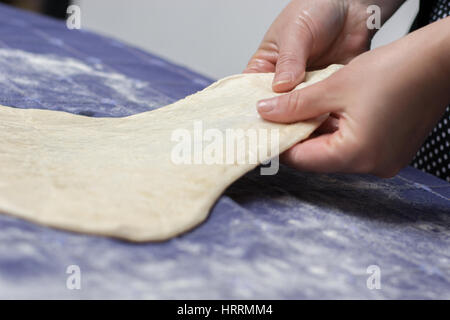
x=114 y=176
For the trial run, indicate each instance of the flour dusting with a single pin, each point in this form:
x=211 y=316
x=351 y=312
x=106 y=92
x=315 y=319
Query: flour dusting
x=56 y=82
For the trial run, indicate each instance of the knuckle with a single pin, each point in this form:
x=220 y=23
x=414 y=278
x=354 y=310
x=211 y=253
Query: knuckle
x=294 y=102
x=288 y=58
x=261 y=54
x=304 y=26
x=254 y=63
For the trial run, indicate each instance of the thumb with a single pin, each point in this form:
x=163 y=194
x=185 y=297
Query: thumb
x=291 y=63
x=298 y=105
x=326 y=153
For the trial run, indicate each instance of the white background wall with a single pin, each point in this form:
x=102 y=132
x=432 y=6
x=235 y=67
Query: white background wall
x=214 y=37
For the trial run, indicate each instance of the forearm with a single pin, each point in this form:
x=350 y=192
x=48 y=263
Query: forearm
x=429 y=49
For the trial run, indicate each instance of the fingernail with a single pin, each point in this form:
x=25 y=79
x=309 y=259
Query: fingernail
x=266 y=105
x=284 y=77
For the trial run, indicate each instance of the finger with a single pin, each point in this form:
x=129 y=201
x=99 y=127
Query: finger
x=302 y=104
x=322 y=154
x=262 y=61
x=259 y=66
x=292 y=59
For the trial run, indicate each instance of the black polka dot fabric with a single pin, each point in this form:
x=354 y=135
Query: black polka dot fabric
x=434 y=155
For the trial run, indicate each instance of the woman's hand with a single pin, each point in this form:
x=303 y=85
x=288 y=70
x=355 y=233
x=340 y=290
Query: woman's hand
x=314 y=34
x=383 y=104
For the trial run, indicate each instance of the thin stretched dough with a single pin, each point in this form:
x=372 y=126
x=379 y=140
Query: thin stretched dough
x=114 y=176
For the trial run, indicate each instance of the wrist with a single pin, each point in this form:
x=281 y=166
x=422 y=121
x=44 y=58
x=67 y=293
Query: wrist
x=444 y=49
x=435 y=38
x=426 y=53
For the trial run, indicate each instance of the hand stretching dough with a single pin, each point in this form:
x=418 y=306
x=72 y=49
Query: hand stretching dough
x=114 y=176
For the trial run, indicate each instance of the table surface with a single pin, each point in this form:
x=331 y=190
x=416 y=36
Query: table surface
x=289 y=236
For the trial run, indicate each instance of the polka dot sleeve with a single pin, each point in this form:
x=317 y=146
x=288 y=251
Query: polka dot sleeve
x=434 y=155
